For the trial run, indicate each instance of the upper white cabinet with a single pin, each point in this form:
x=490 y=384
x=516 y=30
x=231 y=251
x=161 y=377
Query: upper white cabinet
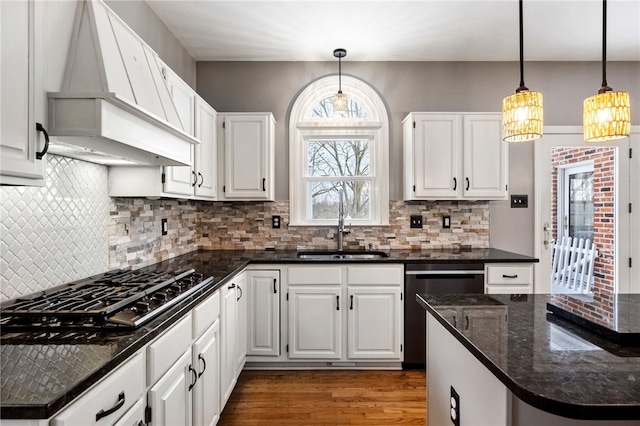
x=451 y=156
x=247 y=150
x=22 y=96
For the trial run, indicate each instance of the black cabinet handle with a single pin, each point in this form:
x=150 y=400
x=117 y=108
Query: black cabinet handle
x=231 y=286
x=337 y=303
x=104 y=413
x=455 y=183
x=351 y=302
x=239 y=297
x=195 y=178
x=509 y=276
x=141 y=423
x=204 y=365
x=194 y=375
x=201 y=179
x=264 y=184
x=467 y=188
x=40 y=128
x=466 y=322
x=275 y=288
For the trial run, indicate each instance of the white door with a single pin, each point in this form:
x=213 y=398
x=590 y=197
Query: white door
x=485 y=157
x=315 y=322
x=547 y=221
x=206 y=153
x=247 y=156
x=170 y=399
x=374 y=323
x=264 y=313
x=206 y=392
x=437 y=153
x=228 y=336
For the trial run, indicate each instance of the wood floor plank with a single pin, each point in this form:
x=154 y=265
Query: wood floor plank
x=327 y=397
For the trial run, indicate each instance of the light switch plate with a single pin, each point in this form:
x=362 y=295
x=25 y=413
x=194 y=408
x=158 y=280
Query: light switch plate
x=446 y=221
x=416 y=221
x=519 y=201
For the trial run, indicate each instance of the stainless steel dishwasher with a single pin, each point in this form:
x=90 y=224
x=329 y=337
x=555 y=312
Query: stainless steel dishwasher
x=434 y=278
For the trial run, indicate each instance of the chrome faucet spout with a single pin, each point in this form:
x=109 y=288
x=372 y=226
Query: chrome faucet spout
x=341 y=230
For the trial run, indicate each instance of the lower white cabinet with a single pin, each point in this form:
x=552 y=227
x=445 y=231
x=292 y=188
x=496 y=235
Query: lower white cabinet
x=233 y=335
x=263 y=313
x=170 y=399
x=206 y=391
x=135 y=415
x=346 y=313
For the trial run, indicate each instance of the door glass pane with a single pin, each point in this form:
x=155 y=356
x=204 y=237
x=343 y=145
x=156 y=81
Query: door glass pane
x=580 y=205
x=324 y=198
x=338 y=157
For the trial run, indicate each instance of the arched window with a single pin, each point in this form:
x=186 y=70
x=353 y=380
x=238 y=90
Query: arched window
x=329 y=154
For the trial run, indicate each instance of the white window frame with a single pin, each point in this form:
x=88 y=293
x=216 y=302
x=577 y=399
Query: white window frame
x=563 y=191
x=375 y=128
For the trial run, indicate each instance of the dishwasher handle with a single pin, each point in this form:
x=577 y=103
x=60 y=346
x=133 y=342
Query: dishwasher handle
x=464 y=272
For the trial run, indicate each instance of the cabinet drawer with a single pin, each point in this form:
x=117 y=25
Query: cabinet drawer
x=375 y=275
x=206 y=314
x=508 y=289
x=163 y=352
x=318 y=275
x=135 y=415
x=512 y=275
x=123 y=387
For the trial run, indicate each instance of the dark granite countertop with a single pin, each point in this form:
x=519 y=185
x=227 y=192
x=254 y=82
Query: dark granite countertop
x=41 y=372
x=550 y=363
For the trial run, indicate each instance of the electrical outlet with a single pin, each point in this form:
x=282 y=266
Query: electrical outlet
x=276 y=221
x=519 y=201
x=454 y=407
x=165 y=227
x=446 y=221
x=416 y=221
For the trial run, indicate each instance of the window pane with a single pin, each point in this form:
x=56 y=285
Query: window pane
x=338 y=157
x=581 y=205
x=324 y=199
x=324 y=109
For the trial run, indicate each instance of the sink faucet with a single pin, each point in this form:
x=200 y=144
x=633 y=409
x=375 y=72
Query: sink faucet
x=341 y=229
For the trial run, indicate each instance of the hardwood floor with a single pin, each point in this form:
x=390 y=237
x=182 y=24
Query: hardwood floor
x=327 y=397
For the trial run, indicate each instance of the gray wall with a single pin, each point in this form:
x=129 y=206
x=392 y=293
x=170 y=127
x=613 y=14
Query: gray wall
x=139 y=16
x=424 y=86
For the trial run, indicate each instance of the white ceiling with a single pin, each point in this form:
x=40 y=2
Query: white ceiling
x=394 y=30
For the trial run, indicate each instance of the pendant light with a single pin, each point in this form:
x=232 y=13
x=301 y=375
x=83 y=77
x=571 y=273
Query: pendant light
x=607 y=115
x=340 y=99
x=522 y=114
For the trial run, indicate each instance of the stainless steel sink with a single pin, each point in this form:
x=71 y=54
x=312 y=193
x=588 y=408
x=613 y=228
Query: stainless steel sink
x=342 y=255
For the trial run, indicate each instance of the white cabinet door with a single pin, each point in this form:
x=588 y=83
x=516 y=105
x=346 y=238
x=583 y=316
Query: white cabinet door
x=315 y=322
x=241 y=323
x=248 y=155
x=206 y=392
x=22 y=93
x=485 y=153
x=170 y=399
x=375 y=323
x=229 y=325
x=206 y=153
x=436 y=156
x=263 y=313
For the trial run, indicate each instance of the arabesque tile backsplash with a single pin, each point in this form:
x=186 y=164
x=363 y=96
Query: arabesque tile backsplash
x=72 y=229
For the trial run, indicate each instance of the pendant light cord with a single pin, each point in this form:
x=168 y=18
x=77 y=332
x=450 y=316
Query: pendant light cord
x=605 y=87
x=522 y=86
x=339 y=74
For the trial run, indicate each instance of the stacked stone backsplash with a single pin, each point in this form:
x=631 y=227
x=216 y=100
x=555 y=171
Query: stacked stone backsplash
x=135 y=231
x=236 y=226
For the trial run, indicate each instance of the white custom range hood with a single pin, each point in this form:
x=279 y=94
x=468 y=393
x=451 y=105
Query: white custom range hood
x=114 y=107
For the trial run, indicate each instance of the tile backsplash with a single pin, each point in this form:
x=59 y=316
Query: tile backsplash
x=71 y=228
x=54 y=234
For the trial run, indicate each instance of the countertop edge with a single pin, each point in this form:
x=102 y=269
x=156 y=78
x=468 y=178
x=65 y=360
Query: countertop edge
x=560 y=408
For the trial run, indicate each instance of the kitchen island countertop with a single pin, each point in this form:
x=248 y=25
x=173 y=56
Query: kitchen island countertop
x=549 y=363
x=41 y=372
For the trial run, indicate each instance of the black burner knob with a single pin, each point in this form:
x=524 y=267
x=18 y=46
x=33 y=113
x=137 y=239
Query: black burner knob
x=141 y=307
x=160 y=296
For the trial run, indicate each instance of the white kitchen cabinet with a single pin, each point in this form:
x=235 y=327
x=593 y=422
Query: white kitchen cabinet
x=508 y=278
x=135 y=415
x=375 y=323
x=360 y=306
x=263 y=315
x=247 y=153
x=453 y=156
x=206 y=391
x=206 y=155
x=233 y=335
x=170 y=399
x=22 y=95
x=110 y=399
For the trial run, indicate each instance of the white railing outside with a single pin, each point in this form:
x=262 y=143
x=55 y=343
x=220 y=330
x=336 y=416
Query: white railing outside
x=572 y=267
